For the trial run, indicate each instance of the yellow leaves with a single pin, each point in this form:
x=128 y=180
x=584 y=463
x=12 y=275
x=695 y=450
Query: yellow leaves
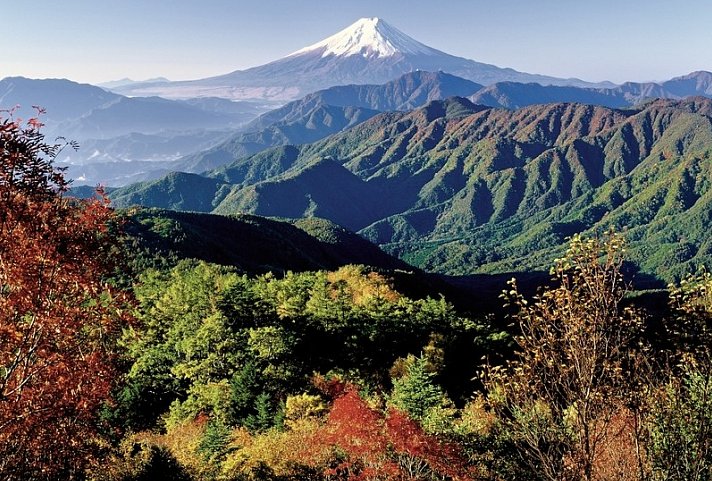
x=302 y=407
x=476 y=418
x=183 y=441
x=281 y=451
x=361 y=286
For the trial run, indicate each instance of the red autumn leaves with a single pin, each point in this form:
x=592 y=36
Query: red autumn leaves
x=56 y=313
x=370 y=444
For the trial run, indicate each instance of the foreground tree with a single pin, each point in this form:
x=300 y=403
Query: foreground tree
x=57 y=315
x=571 y=379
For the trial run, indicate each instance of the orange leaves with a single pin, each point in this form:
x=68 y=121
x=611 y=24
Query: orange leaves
x=357 y=434
x=356 y=427
x=354 y=441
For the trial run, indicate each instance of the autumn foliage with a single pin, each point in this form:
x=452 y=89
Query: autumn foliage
x=371 y=444
x=353 y=441
x=57 y=315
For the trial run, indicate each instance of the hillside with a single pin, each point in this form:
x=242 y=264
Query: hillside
x=312 y=123
x=253 y=244
x=332 y=110
x=458 y=188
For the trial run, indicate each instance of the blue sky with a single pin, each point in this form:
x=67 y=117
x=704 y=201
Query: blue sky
x=100 y=40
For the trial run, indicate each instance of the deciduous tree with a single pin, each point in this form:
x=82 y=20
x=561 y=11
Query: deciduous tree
x=58 y=317
x=571 y=375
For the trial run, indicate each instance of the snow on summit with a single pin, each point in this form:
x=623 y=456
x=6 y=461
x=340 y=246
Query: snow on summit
x=368 y=37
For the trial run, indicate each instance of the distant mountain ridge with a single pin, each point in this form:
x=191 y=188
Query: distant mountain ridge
x=61 y=98
x=408 y=91
x=125 y=140
x=327 y=112
x=85 y=111
x=122 y=139
x=370 y=51
x=512 y=95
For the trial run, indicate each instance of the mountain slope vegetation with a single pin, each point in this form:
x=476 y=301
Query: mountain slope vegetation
x=459 y=188
x=250 y=243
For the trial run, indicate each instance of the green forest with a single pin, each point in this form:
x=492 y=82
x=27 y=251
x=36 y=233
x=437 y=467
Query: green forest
x=130 y=351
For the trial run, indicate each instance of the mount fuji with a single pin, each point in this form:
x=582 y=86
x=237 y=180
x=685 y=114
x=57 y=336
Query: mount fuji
x=370 y=51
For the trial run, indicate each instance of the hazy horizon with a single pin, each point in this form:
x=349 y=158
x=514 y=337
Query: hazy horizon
x=102 y=41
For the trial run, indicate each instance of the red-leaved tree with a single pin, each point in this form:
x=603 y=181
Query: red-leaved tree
x=378 y=446
x=57 y=315
x=357 y=431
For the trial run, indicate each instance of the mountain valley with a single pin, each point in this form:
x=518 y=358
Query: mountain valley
x=451 y=175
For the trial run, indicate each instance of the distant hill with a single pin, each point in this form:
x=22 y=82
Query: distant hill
x=459 y=188
x=83 y=111
x=696 y=83
x=62 y=99
x=123 y=139
x=512 y=95
x=177 y=190
x=406 y=92
x=315 y=123
x=144 y=115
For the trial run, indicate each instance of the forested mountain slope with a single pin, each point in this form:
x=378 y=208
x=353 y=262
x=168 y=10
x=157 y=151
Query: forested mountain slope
x=459 y=188
x=250 y=243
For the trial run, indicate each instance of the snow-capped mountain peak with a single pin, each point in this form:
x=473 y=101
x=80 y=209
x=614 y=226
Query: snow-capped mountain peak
x=370 y=38
x=370 y=51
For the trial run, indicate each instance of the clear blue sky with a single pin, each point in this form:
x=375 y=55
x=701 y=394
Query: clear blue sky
x=100 y=40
